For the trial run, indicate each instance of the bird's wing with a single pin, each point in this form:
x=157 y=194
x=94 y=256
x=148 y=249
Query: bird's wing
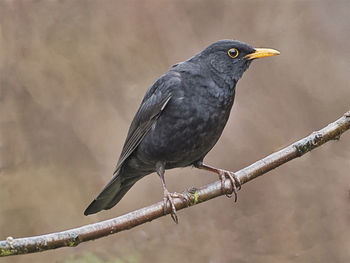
x=154 y=102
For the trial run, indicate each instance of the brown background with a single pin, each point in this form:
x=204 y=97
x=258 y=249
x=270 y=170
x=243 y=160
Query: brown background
x=72 y=75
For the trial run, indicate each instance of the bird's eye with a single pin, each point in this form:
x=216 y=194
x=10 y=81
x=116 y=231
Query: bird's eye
x=233 y=52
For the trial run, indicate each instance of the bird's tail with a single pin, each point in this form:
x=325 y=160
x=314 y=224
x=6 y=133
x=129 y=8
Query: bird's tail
x=112 y=193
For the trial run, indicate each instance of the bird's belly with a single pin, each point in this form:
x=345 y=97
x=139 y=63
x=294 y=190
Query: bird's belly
x=182 y=136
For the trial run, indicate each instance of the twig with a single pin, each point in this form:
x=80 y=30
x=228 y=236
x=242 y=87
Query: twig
x=73 y=237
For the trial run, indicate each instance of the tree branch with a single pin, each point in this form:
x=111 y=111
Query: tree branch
x=74 y=237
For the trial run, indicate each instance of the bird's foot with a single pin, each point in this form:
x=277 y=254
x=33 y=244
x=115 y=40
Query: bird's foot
x=223 y=174
x=169 y=197
x=235 y=182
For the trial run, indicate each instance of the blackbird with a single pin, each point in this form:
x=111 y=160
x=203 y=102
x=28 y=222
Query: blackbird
x=180 y=119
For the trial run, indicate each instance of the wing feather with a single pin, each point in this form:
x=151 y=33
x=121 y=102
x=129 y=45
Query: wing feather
x=147 y=114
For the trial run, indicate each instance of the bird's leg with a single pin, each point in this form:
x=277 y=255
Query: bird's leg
x=223 y=174
x=169 y=196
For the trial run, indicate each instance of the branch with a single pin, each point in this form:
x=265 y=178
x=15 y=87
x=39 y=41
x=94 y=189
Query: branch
x=73 y=237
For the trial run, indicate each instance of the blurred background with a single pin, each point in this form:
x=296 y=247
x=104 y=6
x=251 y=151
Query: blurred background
x=72 y=75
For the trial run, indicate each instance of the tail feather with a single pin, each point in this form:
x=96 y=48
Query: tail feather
x=119 y=196
x=111 y=194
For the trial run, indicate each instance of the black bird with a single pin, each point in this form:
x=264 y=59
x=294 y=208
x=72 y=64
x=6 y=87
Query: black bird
x=180 y=119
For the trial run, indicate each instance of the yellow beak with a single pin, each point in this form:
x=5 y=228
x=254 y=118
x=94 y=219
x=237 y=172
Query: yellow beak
x=261 y=53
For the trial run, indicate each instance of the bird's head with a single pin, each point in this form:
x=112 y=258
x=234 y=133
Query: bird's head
x=230 y=58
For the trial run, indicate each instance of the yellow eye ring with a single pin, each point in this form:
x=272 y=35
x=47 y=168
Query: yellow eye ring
x=232 y=52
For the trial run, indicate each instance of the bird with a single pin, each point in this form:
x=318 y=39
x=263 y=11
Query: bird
x=180 y=119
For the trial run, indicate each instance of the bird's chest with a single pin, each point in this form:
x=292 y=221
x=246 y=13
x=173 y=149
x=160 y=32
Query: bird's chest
x=189 y=126
x=199 y=112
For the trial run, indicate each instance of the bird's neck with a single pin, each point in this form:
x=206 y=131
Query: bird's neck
x=223 y=80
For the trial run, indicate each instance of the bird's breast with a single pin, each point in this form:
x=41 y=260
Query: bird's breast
x=188 y=128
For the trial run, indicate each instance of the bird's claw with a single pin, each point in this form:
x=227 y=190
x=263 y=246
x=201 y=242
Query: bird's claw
x=169 y=197
x=235 y=182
